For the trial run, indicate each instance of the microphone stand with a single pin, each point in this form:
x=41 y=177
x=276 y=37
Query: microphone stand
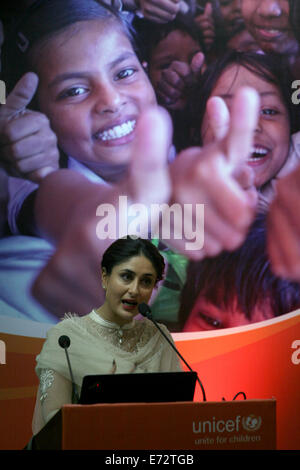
x=64 y=342
x=74 y=389
x=149 y=316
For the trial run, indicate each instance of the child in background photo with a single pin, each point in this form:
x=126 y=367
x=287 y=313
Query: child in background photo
x=172 y=46
x=237 y=288
x=85 y=98
x=175 y=57
x=268 y=21
x=91 y=92
x=228 y=20
x=283 y=218
x=274 y=150
x=230 y=15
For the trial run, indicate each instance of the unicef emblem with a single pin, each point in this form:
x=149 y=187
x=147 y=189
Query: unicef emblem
x=251 y=422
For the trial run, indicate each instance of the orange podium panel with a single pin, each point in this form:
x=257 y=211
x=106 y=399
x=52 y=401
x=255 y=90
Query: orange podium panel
x=238 y=425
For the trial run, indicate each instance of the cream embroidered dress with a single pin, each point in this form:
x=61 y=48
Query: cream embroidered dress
x=97 y=347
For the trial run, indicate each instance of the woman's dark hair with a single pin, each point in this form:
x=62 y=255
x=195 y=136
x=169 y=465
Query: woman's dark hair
x=125 y=248
x=272 y=68
x=43 y=20
x=243 y=276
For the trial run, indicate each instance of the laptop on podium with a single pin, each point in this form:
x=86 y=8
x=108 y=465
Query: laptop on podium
x=147 y=387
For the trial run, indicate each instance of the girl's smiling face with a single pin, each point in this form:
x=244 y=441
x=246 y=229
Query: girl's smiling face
x=93 y=88
x=268 y=22
x=272 y=135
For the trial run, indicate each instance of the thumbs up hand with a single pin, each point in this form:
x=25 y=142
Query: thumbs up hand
x=219 y=121
x=173 y=82
x=208 y=176
x=148 y=180
x=205 y=23
x=198 y=176
x=70 y=280
x=28 y=146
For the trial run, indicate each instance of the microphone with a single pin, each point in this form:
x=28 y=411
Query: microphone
x=64 y=342
x=145 y=310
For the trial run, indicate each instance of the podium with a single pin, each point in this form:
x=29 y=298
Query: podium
x=237 y=425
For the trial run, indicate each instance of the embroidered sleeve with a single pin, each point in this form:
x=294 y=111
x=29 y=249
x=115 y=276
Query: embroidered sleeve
x=46 y=381
x=55 y=391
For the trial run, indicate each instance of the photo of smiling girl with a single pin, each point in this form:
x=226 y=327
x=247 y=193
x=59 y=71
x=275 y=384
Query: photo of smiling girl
x=98 y=133
x=78 y=104
x=275 y=149
x=240 y=288
x=86 y=102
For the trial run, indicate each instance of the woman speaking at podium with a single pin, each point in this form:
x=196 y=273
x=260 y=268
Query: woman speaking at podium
x=109 y=339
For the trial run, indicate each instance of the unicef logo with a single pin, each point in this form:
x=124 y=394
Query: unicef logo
x=251 y=422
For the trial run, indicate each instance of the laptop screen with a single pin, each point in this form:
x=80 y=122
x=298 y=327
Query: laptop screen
x=138 y=388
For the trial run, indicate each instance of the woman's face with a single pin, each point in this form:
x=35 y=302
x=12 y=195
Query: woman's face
x=268 y=22
x=272 y=134
x=207 y=316
x=129 y=284
x=93 y=88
